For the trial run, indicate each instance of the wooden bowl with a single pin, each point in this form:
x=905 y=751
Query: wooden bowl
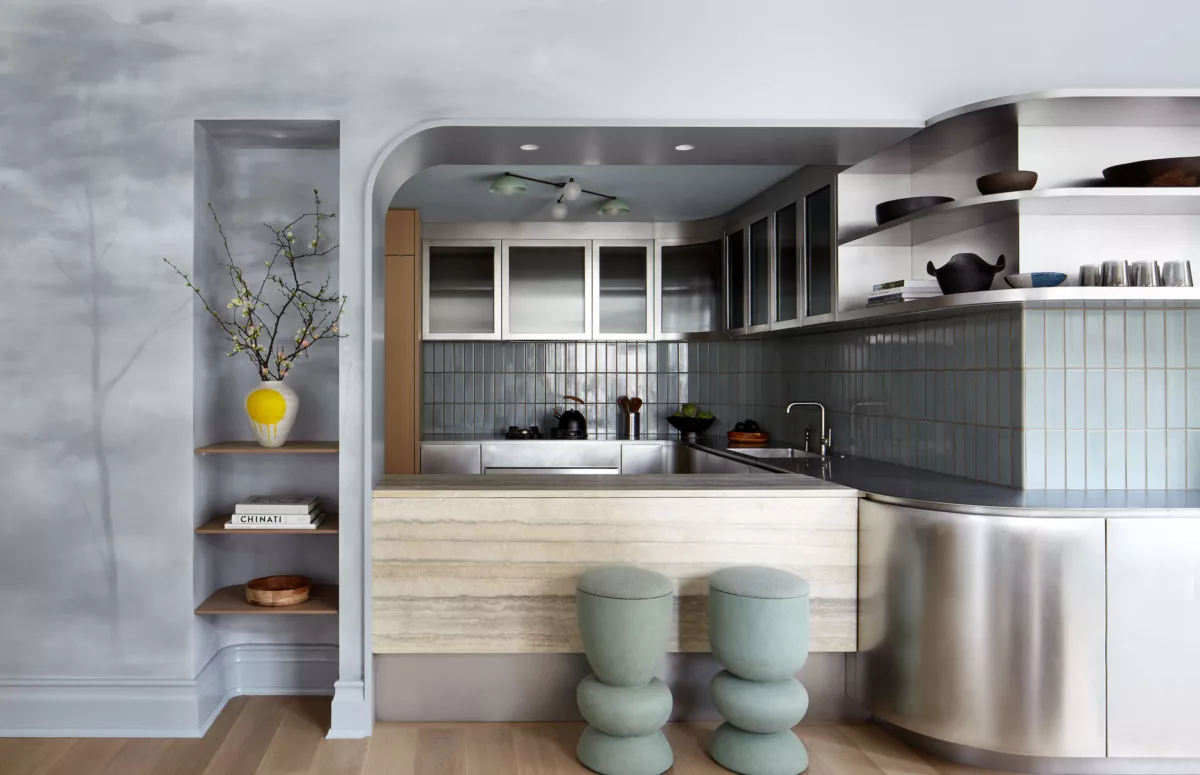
x=1181 y=171
x=898 y=208
x=278 y=591
x=749 y=439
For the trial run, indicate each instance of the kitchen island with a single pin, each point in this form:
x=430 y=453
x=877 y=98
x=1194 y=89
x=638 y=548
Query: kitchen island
x=487 y=564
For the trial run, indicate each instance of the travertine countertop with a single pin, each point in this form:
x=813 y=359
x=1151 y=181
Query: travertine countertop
x=609 y=486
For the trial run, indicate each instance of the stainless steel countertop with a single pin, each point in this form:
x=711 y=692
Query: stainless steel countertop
x=489 y=438
x=890 y=483
x=585 y=485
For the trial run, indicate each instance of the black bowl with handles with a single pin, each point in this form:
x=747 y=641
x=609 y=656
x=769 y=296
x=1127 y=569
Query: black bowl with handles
x=966 y=273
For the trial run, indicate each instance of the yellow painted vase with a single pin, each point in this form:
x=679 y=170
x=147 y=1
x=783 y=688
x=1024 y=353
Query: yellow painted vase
x=272 y=408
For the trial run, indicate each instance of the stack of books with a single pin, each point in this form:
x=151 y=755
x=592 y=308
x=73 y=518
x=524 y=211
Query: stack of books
x=902 y=290
x=272 y=512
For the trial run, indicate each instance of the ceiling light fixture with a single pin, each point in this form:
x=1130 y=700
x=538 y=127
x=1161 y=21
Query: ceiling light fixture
x=507 y=185
x=510 y=183
x=613 y=207
x=685 y=147
x=530 y=147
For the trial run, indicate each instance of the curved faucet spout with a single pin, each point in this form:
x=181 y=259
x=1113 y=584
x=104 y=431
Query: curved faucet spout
x=826 y=433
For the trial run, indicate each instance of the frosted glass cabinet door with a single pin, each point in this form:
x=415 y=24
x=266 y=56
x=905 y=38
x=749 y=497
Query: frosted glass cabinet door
x=461 y=289
x=547 y=290
x=623 y=283
x=687 y=280
x=759 y=275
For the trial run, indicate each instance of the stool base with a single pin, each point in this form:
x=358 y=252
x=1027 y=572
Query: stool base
x=747 y=753
x=608 y=755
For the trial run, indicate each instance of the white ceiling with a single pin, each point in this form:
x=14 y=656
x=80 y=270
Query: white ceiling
x=655 y=193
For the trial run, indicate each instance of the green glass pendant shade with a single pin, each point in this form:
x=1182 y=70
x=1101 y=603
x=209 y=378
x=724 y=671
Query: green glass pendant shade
x=507 y=185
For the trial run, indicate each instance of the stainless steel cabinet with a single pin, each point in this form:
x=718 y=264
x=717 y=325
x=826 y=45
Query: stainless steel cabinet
x=1153 y=635
x=687 y=280
x=456 y=458
x=547 y=289
x=788 y=269
x=735 y=281
x=820 y=256
x=623 y=286
x=461 y=293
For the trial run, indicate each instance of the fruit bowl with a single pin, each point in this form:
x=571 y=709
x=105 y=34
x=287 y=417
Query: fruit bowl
x=690 y=426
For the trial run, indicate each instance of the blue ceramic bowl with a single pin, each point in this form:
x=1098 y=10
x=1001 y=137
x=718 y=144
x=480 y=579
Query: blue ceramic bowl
x=1035 y=280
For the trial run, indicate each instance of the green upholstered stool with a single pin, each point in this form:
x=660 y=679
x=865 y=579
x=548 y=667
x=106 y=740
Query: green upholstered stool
x=758 y=631
x=625 y=623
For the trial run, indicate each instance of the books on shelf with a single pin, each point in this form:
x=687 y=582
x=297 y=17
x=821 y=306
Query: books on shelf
x=272 y=522
x=275 y=504
x=271 y=512
x=908 y=285
x=902 y=290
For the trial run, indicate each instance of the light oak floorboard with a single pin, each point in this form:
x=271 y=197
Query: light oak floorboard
x=286 y=736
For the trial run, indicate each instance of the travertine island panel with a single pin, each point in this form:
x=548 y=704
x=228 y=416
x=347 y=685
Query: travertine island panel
x=487 y=564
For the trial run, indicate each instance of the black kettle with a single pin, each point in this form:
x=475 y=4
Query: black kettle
x=571 y=422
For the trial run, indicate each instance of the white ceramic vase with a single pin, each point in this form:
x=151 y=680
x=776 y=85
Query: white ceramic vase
x=272 y=407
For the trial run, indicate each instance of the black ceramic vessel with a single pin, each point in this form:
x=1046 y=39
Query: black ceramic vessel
x=898 y=208
x=965 y=273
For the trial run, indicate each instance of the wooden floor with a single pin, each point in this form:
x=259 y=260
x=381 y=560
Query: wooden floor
x=277 y=736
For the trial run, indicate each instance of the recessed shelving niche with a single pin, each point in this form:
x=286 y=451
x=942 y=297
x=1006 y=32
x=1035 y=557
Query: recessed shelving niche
x=256 y=172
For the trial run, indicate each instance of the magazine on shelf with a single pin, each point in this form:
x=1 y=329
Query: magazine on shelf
x=907 y=285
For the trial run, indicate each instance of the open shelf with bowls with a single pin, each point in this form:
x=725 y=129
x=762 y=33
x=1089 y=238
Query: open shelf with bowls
x=231 y=601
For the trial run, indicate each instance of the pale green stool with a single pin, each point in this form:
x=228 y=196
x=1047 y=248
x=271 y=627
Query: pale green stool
x=625 y=622
x=758 y=631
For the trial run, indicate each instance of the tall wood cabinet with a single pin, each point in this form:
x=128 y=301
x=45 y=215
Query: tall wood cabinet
x=402 y=342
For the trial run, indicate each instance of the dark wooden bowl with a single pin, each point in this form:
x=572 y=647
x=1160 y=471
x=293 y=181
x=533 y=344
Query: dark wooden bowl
x=1178 y=172
x=1006 y=181
x=690 y=426
x=898 y=208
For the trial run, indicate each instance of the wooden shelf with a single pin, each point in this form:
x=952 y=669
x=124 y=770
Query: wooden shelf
x=253 y=448
x=216 y=526
x=232 y=601
x=962 y=214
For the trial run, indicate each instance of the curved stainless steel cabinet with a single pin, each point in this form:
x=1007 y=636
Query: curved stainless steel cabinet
x=984 y=631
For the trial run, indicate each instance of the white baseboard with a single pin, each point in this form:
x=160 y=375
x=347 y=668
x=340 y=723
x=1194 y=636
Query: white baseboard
x=154 y=707
x=352 y=715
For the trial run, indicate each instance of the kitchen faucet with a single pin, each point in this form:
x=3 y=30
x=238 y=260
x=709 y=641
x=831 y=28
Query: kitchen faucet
x=826 y=437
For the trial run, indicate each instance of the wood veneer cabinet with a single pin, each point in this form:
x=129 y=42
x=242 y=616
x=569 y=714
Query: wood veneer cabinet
x=402 y=342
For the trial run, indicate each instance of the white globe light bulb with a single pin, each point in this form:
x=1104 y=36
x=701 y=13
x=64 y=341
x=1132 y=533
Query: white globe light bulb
x=558 y=211
x=572 y=190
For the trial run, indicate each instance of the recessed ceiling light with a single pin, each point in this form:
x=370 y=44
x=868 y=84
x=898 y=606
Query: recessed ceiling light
x=685 y=147
x=530 y=147
x=278 y=135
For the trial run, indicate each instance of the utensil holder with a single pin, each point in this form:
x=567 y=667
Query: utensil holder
x=628 y=424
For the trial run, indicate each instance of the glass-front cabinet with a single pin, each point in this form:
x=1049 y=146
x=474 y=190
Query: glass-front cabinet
x=820 y=285
x=687 y=276
x=735 y=281
x=462 y=289
x=758 y=276
x=787 y=268
x=547 y=289
x=623 y=285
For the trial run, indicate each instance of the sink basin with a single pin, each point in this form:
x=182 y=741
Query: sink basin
x=774 y=452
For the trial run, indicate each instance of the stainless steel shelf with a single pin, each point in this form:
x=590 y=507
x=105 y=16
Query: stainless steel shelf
x=962 y=214
x=1070 y=295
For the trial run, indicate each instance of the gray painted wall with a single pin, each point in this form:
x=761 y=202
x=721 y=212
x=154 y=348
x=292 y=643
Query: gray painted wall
x=96 y=153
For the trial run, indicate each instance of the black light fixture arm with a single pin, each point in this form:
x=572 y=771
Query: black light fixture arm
x=557 y=185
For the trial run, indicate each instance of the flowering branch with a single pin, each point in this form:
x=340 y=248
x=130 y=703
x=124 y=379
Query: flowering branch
x=253 y=326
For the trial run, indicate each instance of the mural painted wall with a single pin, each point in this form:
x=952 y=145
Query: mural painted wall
x=97 y=108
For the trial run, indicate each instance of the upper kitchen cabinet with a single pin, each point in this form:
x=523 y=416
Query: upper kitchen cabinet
x=820 y=256
x=759 y=275
x=687 y=277
x=547 y=289
x=735 y=281
x=787 y=268
x=623 y=285
x=461 y=289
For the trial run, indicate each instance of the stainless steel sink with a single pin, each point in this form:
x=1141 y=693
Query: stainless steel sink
x=774 y=452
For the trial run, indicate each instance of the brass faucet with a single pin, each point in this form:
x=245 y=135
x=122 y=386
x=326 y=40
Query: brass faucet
x=826 y=437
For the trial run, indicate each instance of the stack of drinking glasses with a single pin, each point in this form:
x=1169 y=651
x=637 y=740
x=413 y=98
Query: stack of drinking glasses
x=1138 y=274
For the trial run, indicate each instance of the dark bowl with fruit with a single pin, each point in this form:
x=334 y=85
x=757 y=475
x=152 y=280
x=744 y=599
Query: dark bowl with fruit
x=747 y=433
x=690 y=421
